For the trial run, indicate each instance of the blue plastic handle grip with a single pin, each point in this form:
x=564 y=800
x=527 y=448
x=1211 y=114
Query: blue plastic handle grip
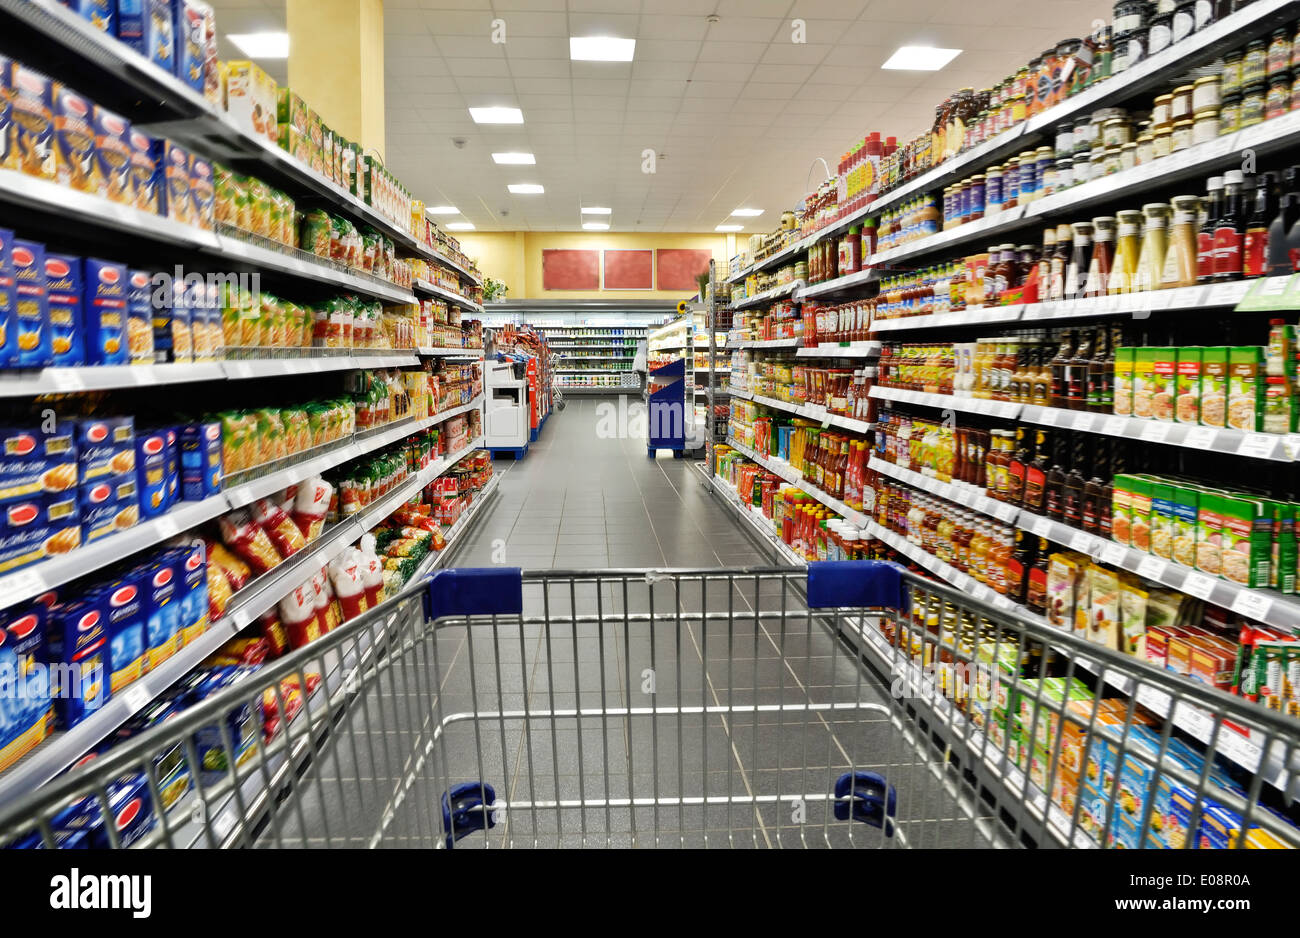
x=474 y=592
x=856 y=583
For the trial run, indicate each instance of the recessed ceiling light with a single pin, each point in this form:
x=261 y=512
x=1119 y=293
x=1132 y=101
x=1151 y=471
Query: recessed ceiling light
x=730 y=228
x=496 y=115
x=921 y=58
x=262 y=45
x=525 y=188
x=461 y=226
x=747 y=212
x=442 y=210
x=601 y=49
x=516 y=159
x=596 y=210
x=595 y=226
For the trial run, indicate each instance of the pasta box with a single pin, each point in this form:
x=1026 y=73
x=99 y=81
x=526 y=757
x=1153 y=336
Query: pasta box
x=105 y=446
x=32 y=95
x=159 y=33
x=29 y=715
x=145 y=182
x=113 y=155
x=31 y=529
x=99 y=13
x=8 y=303
x=35 y=348
x=77 y=645
x=162 y=590
x=33 y=462
x=201 y=466
x=63 y=287
x=7 y=153
x=74 y=140
x=108 y=506
x=151 y=472
x=171 y=164
x=251 y=100
x=194 y=21
x=192 y=569
x=123 y=606
x=139 y=317
x=129 y=24
x=203 y=192
x=104 y=312
x=171 y=452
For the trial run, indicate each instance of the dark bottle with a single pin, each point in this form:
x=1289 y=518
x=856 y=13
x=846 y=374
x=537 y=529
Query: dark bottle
x=1076 y=375
x=1279 y=262
x=1074 y=483
x=1255 y=253
x=1036 y=476
x=1017 y=467
x=1093 y=488
x=1036 y=592
x=1022 y=558
x=1205 y=238
x=1229 y=230
x=1107 y=399
x=1060 y=390
x=1055 y=488
x=1097 y=381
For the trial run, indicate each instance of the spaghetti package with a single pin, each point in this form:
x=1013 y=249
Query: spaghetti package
x=247 y=539
x=349 y=583
x=327 y=606
x=279 y=527
x=372 y=572
x=236 y=572
x=310 y=506
x=298 y=617
x=273 y=632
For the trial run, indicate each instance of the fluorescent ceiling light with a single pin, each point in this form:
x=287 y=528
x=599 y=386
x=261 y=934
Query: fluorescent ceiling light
x=747 y=212
x=496 y=115
x=514 y=159
x=595 y=226
x=921 y=58
x=596 y=210
x=262 y=45
x=601 y=49
x=525 y=188
x=730 y=228
x=442 y=210
x=461 y=226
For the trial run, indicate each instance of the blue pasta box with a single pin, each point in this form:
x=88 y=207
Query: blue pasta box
x=241 y=727
x=160 y=33
x=35 y=345
x=104 y=312
x=113 y=155
x=171 y=164
x=77 y=650
x=7 y=154
x=26 y=713
x=203 y=191
x=145 y=182
x=152 y=472
x=108 y=505
x=33 y=463
x=130 y=24
x=8 y=303
x=163 y=591
x=123 y=605
x=192 y=18
x=173 y=455
x=105 y=446
x=192 y=566
x=74 y=141
x=139 y=317
x=130 y=806
x=32 y=127
x=202 y=471
x=99 y=13
x=63 y=286
x=32 y=529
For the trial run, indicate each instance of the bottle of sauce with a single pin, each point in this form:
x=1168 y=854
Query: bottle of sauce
x=1055 y=498
x=1098 y=380
x=1205 y=237
x=1076 y=374
x=1041 y=387
x=1045 y=265
x=1016 y=469
x=1181 y=251
x=1103 y=257
x=1228 y=233
x=1060 y=389
x=1074 y=483
x=1080 y=258
x=1279 y=262
x=994 y=461
x=1060 y=263
x=1255 y=260
x=1036 y=592
x=1094 y=488
x=1018 y=566
x=1151 y=260
x=1127 y=248
x=1036 y=476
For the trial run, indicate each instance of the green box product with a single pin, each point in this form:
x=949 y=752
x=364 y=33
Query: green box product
x=1209 y=534
x=1121 y=514
x=1246 y=387
x=1214 y=386
x=1162 y=520
x=1124 y=381
x=1164 y=382
x=1047 y=696
x=1280 y=358
x=1146 y=383
x=291 y=110
x=1139 y=513
x=1186 y=504
x=1247 y=540
x=1282 y=562
x=1187 y=401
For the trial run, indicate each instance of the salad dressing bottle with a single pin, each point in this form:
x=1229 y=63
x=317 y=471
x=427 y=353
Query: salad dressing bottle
x=1181 y=251
x=1127 y=248
x=1151 y=262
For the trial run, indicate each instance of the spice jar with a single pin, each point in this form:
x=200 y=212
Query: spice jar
x=1162 y=111
x=1252 y=105
x=1146 y=148
x=1278 y=100
x=1181 y=106
x=1205 y=93
x=1230 y=114
x=1254 y=64
x=1064 y=174
x=1206 y=126
x=1116 y=132
x=1182 y=138
x=1231 y=74
x=1278 y=58
x=1163 y=143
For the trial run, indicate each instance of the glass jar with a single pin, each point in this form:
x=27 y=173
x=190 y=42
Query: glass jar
x=1065 y=140
x=1160 y=35
x=1185 y=19
x=1162 y=111
x=1128 y=156
x=1278 y=99
x=1116 y=132
x=1230 y=82
x=1254 y=64
x=1206 y=126
x=1205 y=94
x=1182 y=135
x=1064 y=174
x=1278 y=57
x=1130 y=49
x=1252 y=105
x=1146 y=148
x=993 y=192
x=1081 y=170
x=1295 y=91
x=1112 y=162
x=1129 y=15
x=1162 y=143
x=1181 y=105
x=1098 y=163
x=1230 y=114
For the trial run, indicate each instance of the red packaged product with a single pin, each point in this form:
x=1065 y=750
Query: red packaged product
x=349 y=585
x=274 y=633
x=247 y=539
x=236 y=572
x=284 y=534
x=298 y=615
x=311 y=506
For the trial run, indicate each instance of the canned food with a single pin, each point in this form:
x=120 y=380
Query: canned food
x=1205 y=93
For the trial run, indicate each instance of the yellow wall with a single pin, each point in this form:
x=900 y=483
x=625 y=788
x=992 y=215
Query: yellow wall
x=515 y=257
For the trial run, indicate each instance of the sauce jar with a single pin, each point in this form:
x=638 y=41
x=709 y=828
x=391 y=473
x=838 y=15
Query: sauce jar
x=1065 y=139
x=1112 y=163
x=1182 y=138
x=1184 y=19
x=1044 y=162
x=1146 y=148
x=993 y=190
x=976 y=197
x=1130 y=49
x=1181 y=107
x=1206 y=126
x=1028 y=177
x=1064 y=173
x=1205 y=94
x=1160 y=36
x=1116 y=132
x=1011 y=183
x=1128 y=156
x=1252 y=105
x=1230 y=114
x=1231 y=74
x=1163 y=142
x=1279 y=53
x=1254 y=64
x=1162 y=111
x=1129 y=15
x=1278 y=99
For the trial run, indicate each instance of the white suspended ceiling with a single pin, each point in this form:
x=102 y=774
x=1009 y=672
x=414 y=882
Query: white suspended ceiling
x=735 y=111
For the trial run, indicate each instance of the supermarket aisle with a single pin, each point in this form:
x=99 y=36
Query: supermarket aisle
x=578 y=501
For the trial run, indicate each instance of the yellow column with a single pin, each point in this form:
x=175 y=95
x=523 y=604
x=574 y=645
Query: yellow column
x=336 y=64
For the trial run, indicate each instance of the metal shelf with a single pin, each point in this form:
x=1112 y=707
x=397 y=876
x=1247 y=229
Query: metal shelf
x=762 y=526
x=785 y=471
x=809 y=411
x=449 y=352
x=843 y=350
x=432 y=289
x=776 y=293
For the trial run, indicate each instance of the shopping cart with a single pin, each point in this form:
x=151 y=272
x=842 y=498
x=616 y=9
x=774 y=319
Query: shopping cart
x=557 y=395
x=849 y=705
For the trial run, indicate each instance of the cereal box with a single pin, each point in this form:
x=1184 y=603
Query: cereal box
x=104 y=312
x=1246 y=387
x=292 y=111
x=1187 y=403
x=113 y=155
x=78 y=640
x=1247 y=541
x=63 y=286
x=139 y=317
x=35 y=345
x=172 y=181
x=8 y=303
x=203 y=192
x=251 y=100
x=1214 y=386
x=33 y=122
x=74 y=141
x=145 y=184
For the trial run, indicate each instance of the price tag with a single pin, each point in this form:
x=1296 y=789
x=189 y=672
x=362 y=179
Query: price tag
x=1152 y=568
x=1251 y=605
x=1113 y=553
x=166 y=527
x=66 y=379
x=1115 y=426
x=1257 y=445
x=1082 y=542
x=224 y=823
x=1084 y=421
x=1199 y=585
x=1156 y=431
x=239 y=370
x=1048 y=415
x=137 y=696
x=1200 y=437
x=1043 y=526
x=20 y=585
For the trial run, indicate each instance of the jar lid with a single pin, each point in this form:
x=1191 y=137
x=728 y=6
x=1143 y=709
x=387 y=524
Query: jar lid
x=1128 y=146
x=1185 y=122
x=1121 y=121
x=1259 y=44
x=1232 y=56
x=1207 y=80
x=1144 y=138
x=1182 y=90
x=1255 y=87
x=1164 y=97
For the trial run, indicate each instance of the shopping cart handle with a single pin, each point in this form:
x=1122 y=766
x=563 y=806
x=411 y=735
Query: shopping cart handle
x=474 y=591
x=857 y=583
